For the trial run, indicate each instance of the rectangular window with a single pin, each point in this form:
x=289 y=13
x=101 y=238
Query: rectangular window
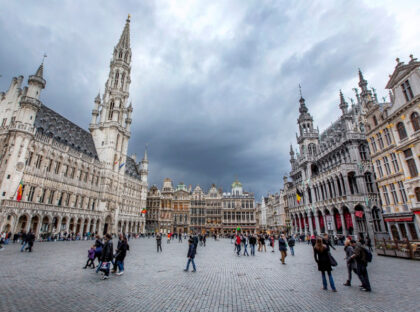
x=66 y=170
x=380 y=141
x=387 y=136
x=374 y=149
x=12 y=121
x=80 y=175
x=4 y=122
x=379 y=167
x=76 y=201
x=386 y=165
x=394 y=193
x=72 y=172
x=67 y=200
x=51 y=198
x=411 y=162
x=42 y=197
x=406 y=89
x=385 y=193
x=49 y=165
x=402 y=191
x=85 y=177
x=38 y=162
x=57 y=167
x=29 y=159
x=31 y=193
x=60 y=200
x=395 y=162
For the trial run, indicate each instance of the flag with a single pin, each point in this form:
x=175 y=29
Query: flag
x=144 y=210
x=19 y=192
x=299 y=195
x=115 y=162
x=121 y=165
x=358 y=213
x=238 y=229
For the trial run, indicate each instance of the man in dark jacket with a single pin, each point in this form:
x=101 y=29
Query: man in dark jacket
x=120 y=254
x=291 y=243
x=23 y=240
x=107 y=254
x=191 y=255
x=159 y=242
x=327 y=242
x=252 y=243
x=360 y=254
x=30 y=238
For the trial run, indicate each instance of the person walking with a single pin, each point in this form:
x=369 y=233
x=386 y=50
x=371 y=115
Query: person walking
x=238 y=244
x=369 y=244
x=120 y=254
x=291 y=243
x=91 y=257
x=159 y=242
x=351 y=262
x=272 y=242
x=245 y=243
x=322 y=258
x=252 y=241
x=327 y=242
x=191 y=255
x=107 y=256
x=30 y=238
x=24 y=241
x=360 y=255
x=179 y=238
x=282 y=248
x=262 y=240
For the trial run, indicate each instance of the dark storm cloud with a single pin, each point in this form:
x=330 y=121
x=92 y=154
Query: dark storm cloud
x=214 y=84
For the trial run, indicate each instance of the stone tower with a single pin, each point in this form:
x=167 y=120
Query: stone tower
x=111 y=118
x=308 y=136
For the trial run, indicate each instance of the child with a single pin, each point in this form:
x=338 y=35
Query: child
x=190 y=255
x=91 y=256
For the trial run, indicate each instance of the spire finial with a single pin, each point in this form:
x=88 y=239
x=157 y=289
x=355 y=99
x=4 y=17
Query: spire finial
x=128 y=17
x=300 y=91
x=145 y=153
x=43 y=58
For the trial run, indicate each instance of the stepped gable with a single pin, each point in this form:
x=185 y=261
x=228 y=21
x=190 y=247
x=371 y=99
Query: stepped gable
x=52 y=124
x=131 y=168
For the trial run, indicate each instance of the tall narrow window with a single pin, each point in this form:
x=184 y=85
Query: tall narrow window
x=42 y=197
x=117 y=76
x=375 y=121
x=402 y=191
x=380 y=141
x=386 y=165
x=415 y=121
x=374 y=149
x=31 y=193
x=385 y=193
x=394 y=193
x=411 y=162
x=51 y=198
x=362 y=151
x=38 y=162
x=402 y=133
x=111 y=110
x=369 y=182
x=29 y=159
x=417 y=192
x=406 y=89
x=57 y=167
x=387 y=136
x=379 y=167
x=122 y=81
x=395 y=162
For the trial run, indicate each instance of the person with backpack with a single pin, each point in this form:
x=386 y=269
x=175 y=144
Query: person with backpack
x=322 y=258
x=291 y=243
x=351 y=262
x=362 y=257
x=191 y=255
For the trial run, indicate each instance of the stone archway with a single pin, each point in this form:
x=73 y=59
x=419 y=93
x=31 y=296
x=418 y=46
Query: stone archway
x=360 y=217
x=348 y=221
x=35 y=224
x=92 y=225
x=71 y=225
x=45 y=225
x=79 y=226
x=63 y=226
x=85 y=226
x=107 y=225
x=22 y=223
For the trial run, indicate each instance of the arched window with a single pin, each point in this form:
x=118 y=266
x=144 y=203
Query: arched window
x=415 y=121
x=120 y=55
x=126 y=56
x=117 y=75
x=401 y=131
x=111 y=110
x=369 y=182
x=417 y=191
x=376 y=219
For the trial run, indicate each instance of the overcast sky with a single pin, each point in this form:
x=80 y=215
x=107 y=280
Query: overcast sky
x=214 y=83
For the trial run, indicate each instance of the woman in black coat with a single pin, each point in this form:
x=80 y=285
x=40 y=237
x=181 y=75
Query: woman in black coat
x=107 y=254
x=121 y=253
x=322 y=258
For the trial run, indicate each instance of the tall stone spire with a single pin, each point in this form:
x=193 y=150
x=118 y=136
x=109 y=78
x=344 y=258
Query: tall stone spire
x=124 y=42
x=362 y=82
x=343 y=104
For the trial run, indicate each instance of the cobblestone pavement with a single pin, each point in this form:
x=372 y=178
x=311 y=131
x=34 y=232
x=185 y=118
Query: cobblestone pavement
x=52 y=279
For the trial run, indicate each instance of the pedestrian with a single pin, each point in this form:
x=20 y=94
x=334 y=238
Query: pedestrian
x=245 y=243
x=272 y=242
x=238 y=244
x=351 y=262
x=159 y=242
x=313 y=240
x=106 y=256
x=262 y=240
x=120 y=254
x=252 y=241
x=24 y=241
x=179 y=238
x=204 y=240
x=361 y=257
x=195 y=242
x=291 y=243
x=283 y=248
x=369 y=244
x=259 y=242
x=169 y=238
x=91 y=257
x=30 y=238
x=191 y=255
x=322 y=258
x=326 y=241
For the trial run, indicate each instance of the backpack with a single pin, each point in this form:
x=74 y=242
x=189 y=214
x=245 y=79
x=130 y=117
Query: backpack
x=369 y=255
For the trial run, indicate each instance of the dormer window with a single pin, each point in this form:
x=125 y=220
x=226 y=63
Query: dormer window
x=375 y=121
x=406 y=88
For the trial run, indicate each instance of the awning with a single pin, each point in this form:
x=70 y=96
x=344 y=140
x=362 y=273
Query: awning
x=402 y=219
x=417 y=212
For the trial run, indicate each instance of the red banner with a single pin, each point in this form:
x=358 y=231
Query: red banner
x=348 y=220
x=321 y=222
x=358 y=213
x=338 y=221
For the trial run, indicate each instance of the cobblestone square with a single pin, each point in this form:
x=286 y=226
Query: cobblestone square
x=52 y=279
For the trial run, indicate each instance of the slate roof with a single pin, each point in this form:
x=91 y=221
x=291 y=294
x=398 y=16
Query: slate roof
x=52 y=124
x=131 y=168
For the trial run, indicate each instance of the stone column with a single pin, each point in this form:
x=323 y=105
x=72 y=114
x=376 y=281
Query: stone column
x=346 y=183
x=305 y=225
x=389 y=230
x=318 y=228
x=408 y=231
x=355 y=227
x=334 y=226
x=343 y=224
x=311 y=230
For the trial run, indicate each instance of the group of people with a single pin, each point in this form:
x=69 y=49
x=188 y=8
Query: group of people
x=103 y=250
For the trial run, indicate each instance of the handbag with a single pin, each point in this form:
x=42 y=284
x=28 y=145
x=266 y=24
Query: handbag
x=332 y=260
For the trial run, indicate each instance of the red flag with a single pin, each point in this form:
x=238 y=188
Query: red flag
x=358 y=213
x=19 y=191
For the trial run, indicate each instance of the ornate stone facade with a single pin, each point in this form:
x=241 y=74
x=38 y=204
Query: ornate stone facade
x=393 y=131
x=333 y=174
x=184 y=210
x=73 y=180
